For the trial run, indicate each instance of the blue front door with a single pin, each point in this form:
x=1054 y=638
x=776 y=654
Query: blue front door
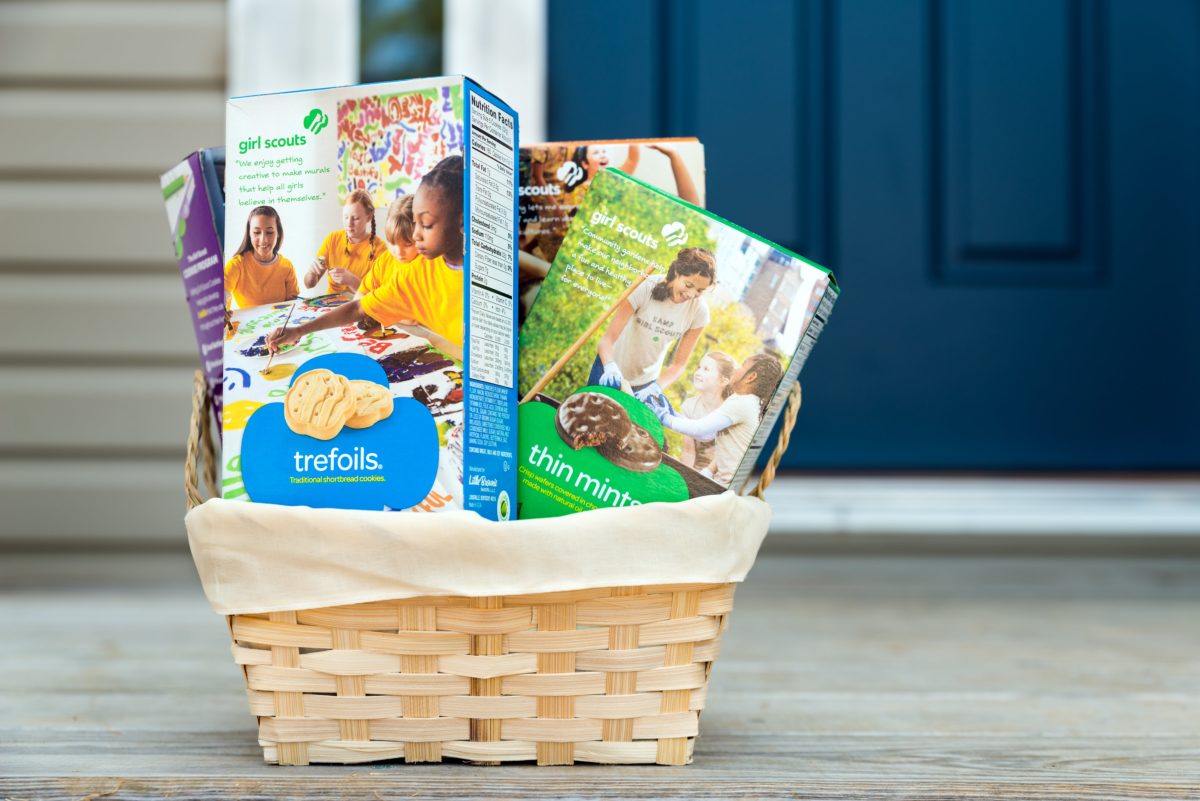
x=1007 y=190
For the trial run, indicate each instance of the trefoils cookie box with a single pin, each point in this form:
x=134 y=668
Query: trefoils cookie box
x=193 y=193
x=659 y=353
x=370 y=277
x=555 y=177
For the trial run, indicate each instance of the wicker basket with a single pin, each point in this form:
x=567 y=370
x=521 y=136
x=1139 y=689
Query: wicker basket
x=608 y=675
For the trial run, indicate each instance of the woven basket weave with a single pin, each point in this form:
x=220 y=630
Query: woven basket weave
x=610 y=674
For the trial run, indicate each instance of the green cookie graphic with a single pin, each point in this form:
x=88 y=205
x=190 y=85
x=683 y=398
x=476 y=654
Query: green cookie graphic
x=555 y=480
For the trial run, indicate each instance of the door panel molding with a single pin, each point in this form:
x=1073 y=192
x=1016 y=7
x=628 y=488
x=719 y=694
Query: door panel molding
x=1019 y=185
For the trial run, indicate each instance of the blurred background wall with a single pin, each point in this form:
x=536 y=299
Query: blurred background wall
x=96 y=100
x=1006 y=190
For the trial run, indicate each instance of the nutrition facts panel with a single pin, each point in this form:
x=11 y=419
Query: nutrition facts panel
x=492 y=248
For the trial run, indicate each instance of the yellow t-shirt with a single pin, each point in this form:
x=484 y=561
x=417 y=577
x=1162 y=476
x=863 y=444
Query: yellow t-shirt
x=359 y=260
x=426 y=291
x=252 y=283
x=381 y=272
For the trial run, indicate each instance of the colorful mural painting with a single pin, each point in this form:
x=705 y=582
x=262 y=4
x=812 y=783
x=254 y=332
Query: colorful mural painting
x=387 y=142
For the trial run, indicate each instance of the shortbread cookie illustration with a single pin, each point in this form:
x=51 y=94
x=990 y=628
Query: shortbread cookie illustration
x=319 y=403
x=372 y=403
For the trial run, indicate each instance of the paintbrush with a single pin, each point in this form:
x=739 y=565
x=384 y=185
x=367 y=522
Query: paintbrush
x=583 y=338
x=286 y=320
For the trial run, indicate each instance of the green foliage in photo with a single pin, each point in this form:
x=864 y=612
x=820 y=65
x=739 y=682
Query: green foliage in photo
x=576 y=294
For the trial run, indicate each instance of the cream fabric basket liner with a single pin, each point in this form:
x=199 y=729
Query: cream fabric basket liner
x=255 y=558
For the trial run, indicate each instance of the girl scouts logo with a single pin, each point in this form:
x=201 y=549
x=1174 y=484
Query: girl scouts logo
x=570 y=173
x=316 y=120
x=675 y=234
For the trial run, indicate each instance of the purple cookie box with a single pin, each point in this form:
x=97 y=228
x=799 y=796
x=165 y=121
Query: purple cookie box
x=201 y=263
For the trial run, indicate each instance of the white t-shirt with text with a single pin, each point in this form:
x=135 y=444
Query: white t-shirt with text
x=655 y=324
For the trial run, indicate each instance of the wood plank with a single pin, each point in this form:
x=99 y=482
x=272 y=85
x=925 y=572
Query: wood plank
x=121 y=131
x=864 y=678
x=80 y=226
x=116 y=410
x=481 y=784
x=91 y=315
x=105 y=503
x=147 y=43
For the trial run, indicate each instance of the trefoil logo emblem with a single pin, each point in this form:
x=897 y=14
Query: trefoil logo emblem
x=675 y=234
x=316 y=120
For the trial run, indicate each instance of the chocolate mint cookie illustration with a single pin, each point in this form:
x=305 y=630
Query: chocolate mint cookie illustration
x=588 y=419
x=639 y=453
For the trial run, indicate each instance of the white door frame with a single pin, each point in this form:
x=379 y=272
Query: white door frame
x=298 y=44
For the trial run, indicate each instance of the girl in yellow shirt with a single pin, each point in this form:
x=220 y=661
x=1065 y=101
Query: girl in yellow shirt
x=348 y=254
x=430 y=288
x=398 y=233
x=258 y=275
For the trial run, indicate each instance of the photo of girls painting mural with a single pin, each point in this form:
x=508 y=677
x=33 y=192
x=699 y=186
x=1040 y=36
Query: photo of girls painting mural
x=397 y=255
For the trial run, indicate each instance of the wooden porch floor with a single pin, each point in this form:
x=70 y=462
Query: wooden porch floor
x=840 y=677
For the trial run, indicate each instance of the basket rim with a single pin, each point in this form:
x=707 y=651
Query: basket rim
x=256 y=558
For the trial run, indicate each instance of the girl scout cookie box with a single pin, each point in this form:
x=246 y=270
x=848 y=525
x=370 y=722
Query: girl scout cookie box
x=193 y=193
x=555 y=177
x=370 y=271
x=659 y=354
